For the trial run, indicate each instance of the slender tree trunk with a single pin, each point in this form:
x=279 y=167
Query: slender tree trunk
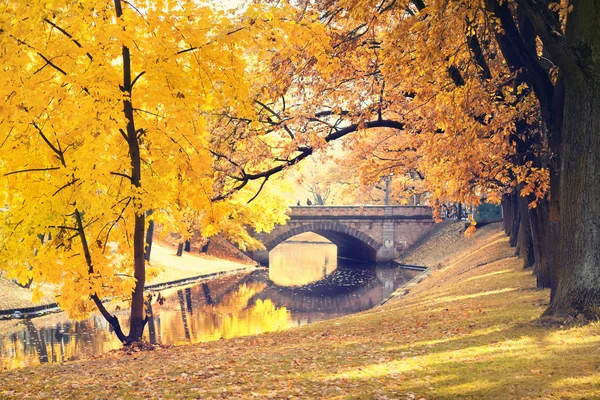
x=136 y=317
x=524 y=237
x=136 y=321
x=149 y=237
x=179 y=249
x=515 y=218
x=541 y=237
x=506 y=214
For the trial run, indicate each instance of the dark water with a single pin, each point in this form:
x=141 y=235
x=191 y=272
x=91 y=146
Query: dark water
x=237 y=305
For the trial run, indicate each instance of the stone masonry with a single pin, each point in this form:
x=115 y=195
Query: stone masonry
x=368 y=233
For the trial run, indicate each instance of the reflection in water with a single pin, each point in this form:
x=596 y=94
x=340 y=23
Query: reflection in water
x=303 y=259
x=236 y=305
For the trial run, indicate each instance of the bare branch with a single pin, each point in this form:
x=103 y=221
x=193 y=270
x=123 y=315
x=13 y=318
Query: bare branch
x=137 y=77
x=122 y=175
x=259 y=189
x=31 y=170
x=69 y=228
x=66 y=186
x=54 y=148
x=50 y=63
x=67 y=34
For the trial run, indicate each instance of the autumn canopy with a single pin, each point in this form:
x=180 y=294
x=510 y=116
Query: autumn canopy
x=111 y=109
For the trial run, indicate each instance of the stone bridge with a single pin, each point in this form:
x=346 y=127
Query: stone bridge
x=366 y=233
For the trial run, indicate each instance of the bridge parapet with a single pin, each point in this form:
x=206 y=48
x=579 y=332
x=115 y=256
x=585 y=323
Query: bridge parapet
x=419 y=212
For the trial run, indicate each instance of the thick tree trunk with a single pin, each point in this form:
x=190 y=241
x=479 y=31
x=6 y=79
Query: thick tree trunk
x=179 y=250
x=578 y=274
x=578 y=285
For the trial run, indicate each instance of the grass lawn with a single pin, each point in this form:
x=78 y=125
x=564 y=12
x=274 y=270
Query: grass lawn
x=468 y=330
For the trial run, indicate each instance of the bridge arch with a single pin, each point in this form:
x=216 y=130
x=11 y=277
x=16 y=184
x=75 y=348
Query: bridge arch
x=351 y=242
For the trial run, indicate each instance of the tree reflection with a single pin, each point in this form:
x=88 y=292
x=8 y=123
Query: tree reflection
x=150 y=316
x=186 y=326
x=226 y=307
x=37 y=340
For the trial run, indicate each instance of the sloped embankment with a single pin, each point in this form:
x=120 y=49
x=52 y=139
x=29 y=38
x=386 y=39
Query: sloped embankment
x=468 y=330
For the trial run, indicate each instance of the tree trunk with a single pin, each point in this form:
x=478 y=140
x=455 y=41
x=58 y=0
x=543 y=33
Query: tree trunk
x=506 y=214
x=187 y=246
x=151 y=326
x=515 y=218
x=136 y=319
x=578 y=285
x=179 y=249
x=541 y=238
x=149 y=237
x=524 y=238
x=136 y=316
x=204 y=248
x=578 y=273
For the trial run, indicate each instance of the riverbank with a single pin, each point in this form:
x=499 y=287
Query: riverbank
x=174 y=270
x=468 y=330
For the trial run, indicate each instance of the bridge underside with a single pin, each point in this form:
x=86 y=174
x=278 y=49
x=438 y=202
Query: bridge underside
x=350 y=247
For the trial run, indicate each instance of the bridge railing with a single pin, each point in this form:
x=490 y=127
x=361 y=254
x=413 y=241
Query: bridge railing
x=416 y=211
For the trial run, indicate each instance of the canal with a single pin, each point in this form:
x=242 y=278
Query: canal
x=305 y=283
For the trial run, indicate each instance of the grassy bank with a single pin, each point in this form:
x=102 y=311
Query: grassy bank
x=469 y=330
x=168 y=265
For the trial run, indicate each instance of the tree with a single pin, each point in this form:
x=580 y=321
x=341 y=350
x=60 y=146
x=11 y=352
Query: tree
x=110 y=110
x=475 y=98
x=574 y=122
x=568 y=110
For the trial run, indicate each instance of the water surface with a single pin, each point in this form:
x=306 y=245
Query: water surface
x=305 y=283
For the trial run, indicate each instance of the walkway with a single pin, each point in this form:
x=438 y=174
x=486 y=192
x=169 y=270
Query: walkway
x=174 y=269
